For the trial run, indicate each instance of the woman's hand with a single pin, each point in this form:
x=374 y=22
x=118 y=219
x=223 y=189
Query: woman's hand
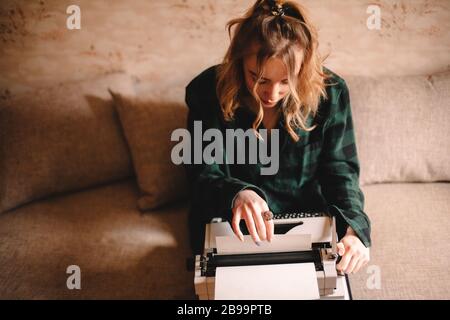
x=249 y=206
x=353 y=252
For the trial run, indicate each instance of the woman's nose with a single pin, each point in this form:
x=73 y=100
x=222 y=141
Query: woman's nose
x=271 y=93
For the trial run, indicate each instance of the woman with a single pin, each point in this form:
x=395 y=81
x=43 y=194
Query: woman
x=272 y=77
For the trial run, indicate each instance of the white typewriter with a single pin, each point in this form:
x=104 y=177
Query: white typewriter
x=302 y=256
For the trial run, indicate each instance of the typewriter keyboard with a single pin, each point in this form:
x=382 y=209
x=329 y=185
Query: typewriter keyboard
x=296 y=215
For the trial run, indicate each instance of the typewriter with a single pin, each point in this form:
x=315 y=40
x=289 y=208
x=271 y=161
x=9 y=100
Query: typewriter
x=317 y=227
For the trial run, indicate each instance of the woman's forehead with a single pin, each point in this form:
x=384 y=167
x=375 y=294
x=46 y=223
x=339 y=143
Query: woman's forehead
x=254 y=48
x=274 y=67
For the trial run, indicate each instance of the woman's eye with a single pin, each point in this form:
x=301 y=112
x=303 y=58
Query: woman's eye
x=260 y=81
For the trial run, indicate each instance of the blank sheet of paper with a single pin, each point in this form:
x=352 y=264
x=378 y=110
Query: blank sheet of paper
x=292 y=281
x=280 y=243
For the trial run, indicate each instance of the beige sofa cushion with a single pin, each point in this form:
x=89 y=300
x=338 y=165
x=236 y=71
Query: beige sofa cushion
x=126 y=255
x=62 y=138
x=411 y=242
x=148 y=126
x=122 y=254
x=402 y=127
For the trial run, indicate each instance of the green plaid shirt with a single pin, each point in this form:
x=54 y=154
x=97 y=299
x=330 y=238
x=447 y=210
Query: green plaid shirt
x=320 y=172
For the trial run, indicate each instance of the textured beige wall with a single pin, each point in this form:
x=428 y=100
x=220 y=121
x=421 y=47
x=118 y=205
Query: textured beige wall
x=165 y=43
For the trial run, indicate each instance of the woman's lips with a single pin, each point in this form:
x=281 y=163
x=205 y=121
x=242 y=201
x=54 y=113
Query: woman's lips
x=267 y=103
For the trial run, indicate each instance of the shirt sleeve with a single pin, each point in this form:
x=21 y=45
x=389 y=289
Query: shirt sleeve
x=212 y=188
x=339 y=169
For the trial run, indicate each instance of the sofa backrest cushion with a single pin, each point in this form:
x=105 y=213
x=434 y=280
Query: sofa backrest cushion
x=148 y=126
x=60 y=139
x=402 y=127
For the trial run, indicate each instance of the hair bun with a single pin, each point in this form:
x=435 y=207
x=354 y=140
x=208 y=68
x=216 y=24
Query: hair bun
x=276 y=8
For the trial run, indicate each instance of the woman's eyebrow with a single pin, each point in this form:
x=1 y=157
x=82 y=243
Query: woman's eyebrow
x=255 y=75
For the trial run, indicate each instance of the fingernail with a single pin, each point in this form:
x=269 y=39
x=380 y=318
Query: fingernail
x=258 y=243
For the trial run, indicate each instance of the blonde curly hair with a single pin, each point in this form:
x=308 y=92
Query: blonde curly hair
x=281 y=29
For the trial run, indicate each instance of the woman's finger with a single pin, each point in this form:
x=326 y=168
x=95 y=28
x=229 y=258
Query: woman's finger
x=341 y=248
x=248 y=216
x=270 y=229
x=360 y=264
x=342 y=266
x=235 y=223
x=353 y=262
x=259 y=222
x=269 y=225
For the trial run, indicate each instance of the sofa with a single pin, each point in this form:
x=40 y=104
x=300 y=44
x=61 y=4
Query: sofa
x=76 y=186
x=85 y=180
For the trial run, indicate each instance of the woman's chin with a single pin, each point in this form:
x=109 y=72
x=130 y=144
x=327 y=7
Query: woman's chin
x=268 y=105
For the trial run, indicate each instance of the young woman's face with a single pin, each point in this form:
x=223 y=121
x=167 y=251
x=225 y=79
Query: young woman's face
x=273 y=86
